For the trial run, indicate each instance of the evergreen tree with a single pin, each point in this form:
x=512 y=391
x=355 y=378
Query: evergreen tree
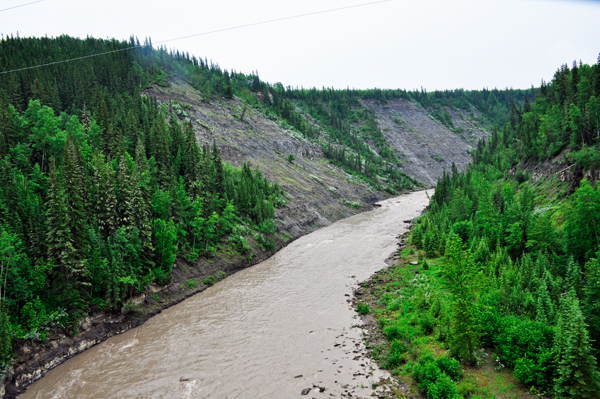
x=578 y=376
x=459 y=278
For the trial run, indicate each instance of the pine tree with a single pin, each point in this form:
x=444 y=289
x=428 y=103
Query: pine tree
x=105 y=204
x=218 y=185
x=592 y=300
x=573 y=277
x=460 y=278
x=578 y=376
x=141 y=218
x=544 y=307
x=74 y=187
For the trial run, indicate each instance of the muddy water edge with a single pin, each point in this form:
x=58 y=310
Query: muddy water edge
x=282 y=328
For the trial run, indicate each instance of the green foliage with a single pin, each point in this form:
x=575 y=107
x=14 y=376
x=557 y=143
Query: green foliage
x=519 y=261
x=583 y=221
x=459 y=277
x=210 y=280
x=433 y=379
x=362 y=308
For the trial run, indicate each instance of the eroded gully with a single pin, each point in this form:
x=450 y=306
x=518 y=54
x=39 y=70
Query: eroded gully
x=269 y=331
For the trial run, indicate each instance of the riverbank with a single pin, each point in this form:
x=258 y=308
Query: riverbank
x=407 y=330
x=34 y=359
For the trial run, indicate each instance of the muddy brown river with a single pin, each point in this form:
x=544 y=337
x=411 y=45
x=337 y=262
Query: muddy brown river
x=269 y=331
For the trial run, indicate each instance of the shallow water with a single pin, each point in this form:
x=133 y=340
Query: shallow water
x=268 y=331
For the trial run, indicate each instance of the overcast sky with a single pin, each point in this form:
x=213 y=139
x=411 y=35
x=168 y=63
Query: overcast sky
x=437 y=44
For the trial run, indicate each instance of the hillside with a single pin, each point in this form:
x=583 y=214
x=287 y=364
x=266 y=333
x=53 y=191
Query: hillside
x=321 y=192
x=424 y=144
x=502 y=272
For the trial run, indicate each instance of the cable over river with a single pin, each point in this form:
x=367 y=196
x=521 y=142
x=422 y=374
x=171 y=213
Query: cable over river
x=268 y=331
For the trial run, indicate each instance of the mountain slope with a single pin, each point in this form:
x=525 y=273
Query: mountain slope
x=424 y=144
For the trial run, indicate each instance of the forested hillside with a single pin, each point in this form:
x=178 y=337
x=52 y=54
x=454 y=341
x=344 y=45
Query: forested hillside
x=509 y=254
x=103 y=188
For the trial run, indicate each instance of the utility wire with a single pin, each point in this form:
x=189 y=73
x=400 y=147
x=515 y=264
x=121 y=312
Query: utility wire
x=22 y=5
x=194 y=35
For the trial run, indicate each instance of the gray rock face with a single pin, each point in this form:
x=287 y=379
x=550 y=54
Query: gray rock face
x=425 y=145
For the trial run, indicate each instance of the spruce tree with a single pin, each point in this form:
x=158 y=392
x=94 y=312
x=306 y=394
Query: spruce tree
x=592 y=300
x=578 y=376
x=544 y=307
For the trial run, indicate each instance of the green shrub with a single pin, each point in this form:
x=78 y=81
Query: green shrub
x=221 y=275
x=426 y=373
x=449 y=366
x=392 y=332
x=433 y=378
x=396 y=355
x=427 y=323
x=210 y=280
x=522 y=176
x=443 y=388
x=362 y=308
x=131 y=308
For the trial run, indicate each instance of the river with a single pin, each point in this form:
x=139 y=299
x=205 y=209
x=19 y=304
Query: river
x=268 y=331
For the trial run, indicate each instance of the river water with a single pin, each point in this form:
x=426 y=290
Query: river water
x=268 y=331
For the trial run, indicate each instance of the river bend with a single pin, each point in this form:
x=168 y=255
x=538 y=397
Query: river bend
x=268 y=331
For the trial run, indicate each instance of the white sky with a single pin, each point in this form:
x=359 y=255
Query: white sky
x=437 y=44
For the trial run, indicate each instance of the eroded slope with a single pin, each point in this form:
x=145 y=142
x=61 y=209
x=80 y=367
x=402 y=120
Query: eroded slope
x=319 y=192
x=424 y=145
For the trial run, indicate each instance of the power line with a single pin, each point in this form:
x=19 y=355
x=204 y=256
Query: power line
x=21 y=5
x=194 y=35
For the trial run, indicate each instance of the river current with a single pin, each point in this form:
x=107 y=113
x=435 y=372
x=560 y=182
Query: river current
x=268 y=331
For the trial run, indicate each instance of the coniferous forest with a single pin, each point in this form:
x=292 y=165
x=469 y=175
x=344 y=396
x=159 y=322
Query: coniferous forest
x=102 y=187
x=509 y=256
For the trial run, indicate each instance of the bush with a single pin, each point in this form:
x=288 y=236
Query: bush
x=131 y=308
x=362 y=308
x=426 y=373
x=221 y=275
x=449 y=366
x=427 y=323
x=433 y=378
x=392 y=332
x=396 y=355
x=443 y=388
x=522 y=176
x=210 y=280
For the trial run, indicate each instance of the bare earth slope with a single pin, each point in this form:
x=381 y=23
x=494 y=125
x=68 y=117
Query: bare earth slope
x=427 y=145
x=321 y=193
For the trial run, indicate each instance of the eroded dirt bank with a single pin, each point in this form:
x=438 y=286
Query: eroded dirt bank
x=273 y=330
